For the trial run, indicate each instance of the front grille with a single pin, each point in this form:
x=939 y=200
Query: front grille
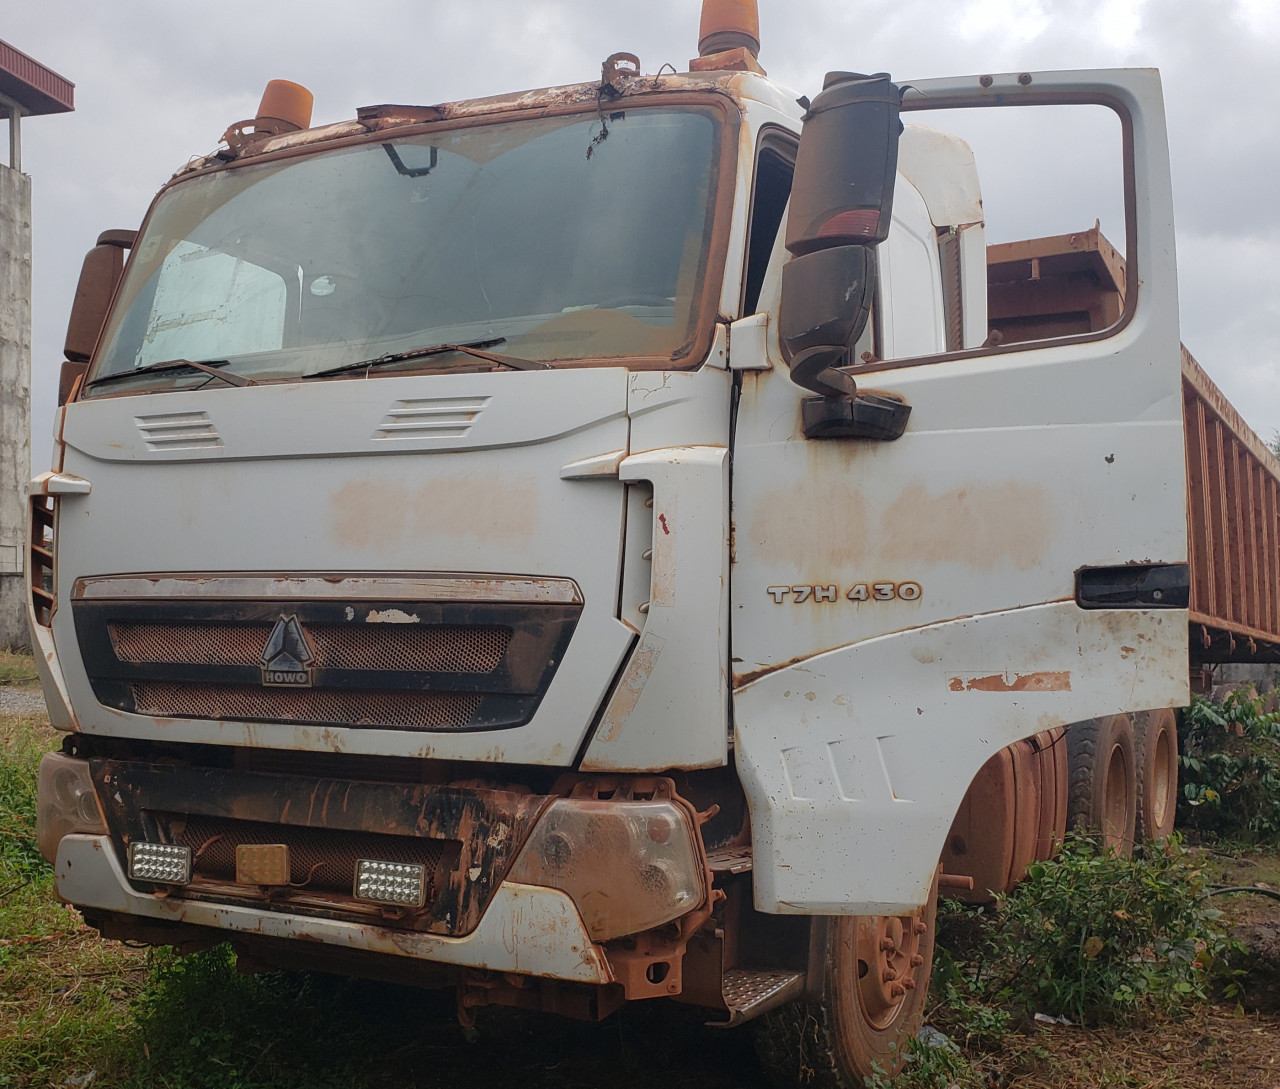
x=299 y=650
x=320 y=859
x=451 y=648
x=393 y=709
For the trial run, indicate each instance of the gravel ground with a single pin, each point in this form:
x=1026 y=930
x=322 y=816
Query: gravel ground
x=21 y=701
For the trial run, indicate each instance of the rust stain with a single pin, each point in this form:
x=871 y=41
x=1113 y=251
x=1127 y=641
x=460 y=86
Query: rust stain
x=987 y=526
x=826 y=526
x=662 y=519
x=488 y=506
x=742 y=679
x=1052 y=681
x=627 y=694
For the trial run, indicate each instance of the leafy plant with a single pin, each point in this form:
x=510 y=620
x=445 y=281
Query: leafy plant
x=929 y=1066
x=1090 y=936
x=1230 y=768
x=1097 y=937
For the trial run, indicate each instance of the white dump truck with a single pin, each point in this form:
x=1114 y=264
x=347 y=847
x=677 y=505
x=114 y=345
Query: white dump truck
x=583 y=545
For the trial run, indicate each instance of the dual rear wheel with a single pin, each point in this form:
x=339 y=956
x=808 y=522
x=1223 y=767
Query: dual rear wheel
x=1124 y=777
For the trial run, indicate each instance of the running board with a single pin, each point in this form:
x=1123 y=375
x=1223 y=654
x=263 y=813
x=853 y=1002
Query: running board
x=749 y=992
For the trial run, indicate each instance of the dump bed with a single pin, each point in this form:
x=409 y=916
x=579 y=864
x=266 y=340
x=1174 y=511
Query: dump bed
x=1068 y=284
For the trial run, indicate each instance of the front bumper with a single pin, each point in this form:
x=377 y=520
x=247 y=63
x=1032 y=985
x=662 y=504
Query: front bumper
x=525 y=929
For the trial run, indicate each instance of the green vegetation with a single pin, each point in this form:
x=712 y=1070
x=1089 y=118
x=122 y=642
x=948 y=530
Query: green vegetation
x=1087 y=939
x=1230 y=769
x=18 y=668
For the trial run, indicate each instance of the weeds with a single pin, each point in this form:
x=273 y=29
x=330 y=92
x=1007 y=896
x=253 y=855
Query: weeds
x=17 y=668
x=1230 y=768
x=1089 y=936
x=20 y=861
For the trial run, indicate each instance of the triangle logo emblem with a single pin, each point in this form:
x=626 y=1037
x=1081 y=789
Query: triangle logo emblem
x=287 y=657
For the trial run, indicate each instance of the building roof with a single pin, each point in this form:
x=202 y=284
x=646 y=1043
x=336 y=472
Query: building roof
x=34 y=87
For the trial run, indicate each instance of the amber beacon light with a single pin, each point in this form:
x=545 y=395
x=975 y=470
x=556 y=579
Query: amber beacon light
x=729 y=24
x=285 y=106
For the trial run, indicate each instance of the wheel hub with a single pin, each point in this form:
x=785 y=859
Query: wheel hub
x=887 y=953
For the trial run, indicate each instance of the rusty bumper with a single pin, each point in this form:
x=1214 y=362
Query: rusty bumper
x=525 y=929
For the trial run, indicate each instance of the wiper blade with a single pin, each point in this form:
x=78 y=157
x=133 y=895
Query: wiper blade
x=474 y=348
x=207 y=366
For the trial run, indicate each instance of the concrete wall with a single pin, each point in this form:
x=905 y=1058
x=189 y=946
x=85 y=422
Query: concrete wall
x=15 y=397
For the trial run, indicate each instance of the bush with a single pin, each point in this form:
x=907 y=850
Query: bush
x=1090 y=936
x=1230 y=767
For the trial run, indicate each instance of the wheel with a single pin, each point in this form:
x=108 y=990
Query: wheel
x=1156 y=738
x=875 y=992
x=1054 y=779
x=1102 y=796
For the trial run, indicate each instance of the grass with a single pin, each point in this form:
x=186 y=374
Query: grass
x=18 y=668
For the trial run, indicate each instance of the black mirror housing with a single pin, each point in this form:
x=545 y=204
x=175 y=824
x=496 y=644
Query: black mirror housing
x=842 y=193
x=826 y=299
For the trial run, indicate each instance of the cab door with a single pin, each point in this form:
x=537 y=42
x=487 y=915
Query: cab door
x=904 y=607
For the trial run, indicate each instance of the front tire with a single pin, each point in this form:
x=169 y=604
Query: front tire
x=876 y=989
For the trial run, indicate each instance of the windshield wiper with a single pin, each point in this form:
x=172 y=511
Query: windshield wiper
x=472 y=348
x=208 y=366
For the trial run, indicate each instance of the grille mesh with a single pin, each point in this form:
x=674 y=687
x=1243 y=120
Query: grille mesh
x=447 y=648
x=320 y=859
x=347 y=707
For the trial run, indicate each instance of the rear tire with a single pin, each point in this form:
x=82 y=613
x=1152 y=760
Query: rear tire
x=1156 y=738
x=1102 y=796
x=876 y=989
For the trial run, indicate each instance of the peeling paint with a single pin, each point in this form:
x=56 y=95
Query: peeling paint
x=391 y=616
x=1051 y=681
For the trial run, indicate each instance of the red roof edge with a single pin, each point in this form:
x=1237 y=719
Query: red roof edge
x=34 y=87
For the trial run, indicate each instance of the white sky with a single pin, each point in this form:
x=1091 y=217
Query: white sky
x=157 y=81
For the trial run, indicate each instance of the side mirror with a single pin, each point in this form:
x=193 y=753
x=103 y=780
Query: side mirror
x=99 y=276
x=841 y=209
x=842 y=192
x=826 y=301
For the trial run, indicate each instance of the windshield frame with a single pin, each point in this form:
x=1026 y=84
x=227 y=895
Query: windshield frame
x=724 y=163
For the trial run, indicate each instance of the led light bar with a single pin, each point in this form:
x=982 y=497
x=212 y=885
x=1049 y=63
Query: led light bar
x=161 y=862
x=391 y=882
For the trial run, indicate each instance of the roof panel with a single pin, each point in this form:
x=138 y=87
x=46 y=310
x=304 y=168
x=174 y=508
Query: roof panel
x=34 y=87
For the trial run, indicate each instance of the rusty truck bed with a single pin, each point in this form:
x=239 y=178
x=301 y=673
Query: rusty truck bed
x=1075 y=283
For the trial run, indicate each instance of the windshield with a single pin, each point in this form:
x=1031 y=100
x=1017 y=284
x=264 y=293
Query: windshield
x=565 y=239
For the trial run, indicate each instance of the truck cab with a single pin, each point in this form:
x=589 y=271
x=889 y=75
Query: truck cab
x=560 y=547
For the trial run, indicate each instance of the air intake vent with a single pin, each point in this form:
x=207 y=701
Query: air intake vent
x=431 y=417
x=179 y=431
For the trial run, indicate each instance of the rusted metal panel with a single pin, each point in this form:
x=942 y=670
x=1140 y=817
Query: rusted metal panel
x=470 y=834
x=1232 y=526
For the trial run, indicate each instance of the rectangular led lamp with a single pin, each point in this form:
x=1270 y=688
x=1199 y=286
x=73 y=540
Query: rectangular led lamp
x=390 y=882
x=164 y=863
x=262 y=864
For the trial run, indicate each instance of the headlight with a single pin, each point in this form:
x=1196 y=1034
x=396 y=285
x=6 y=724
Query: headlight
x=65 y=802
x=628 y=865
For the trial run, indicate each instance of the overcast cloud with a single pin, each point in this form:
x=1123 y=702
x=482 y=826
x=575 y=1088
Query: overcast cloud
x=157 y=81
